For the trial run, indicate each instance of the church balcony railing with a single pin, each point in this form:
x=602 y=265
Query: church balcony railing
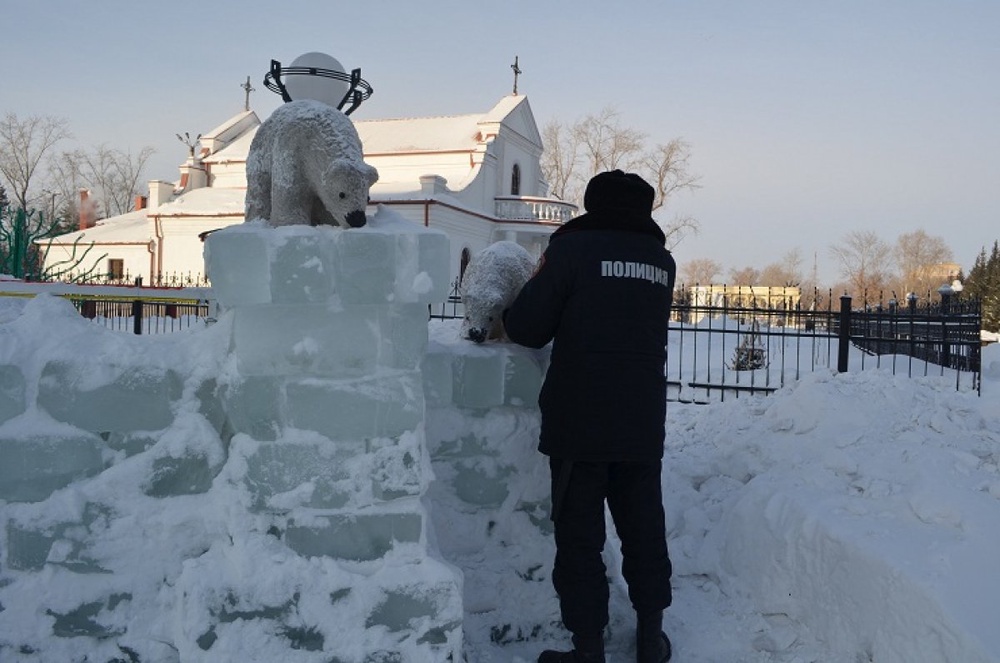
x=531 y=208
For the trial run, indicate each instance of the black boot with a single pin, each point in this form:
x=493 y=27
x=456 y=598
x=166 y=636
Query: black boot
x=651 y=644
x=586 y=649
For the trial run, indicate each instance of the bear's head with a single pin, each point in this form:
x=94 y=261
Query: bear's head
x=344 y=193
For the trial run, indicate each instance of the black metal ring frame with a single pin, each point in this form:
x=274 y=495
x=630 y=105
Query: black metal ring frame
x=358 y=91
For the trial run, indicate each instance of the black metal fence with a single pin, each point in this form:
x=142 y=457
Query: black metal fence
x=718 y=350
x=143 y=316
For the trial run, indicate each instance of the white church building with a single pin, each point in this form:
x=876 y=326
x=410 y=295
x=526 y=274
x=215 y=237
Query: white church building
x=477 y=177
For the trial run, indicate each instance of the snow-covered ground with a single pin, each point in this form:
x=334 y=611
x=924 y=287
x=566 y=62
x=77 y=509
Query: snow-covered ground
x=844 y=519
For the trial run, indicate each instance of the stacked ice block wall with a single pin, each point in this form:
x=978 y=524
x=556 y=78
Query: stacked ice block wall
x=325 y=399
x=491 y=488
x=256 y=491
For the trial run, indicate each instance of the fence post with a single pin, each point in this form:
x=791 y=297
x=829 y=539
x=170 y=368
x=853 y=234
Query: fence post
x=844 y=333
x=945 y=292
x=137 y=316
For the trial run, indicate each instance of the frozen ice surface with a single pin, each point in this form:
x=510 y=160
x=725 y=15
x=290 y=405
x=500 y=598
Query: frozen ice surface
x=422 y=259
x=386 y=405
x=33 y=467
x=402 y=608
x=366 y=267
x=186 y=475
x=328 y=341
x=483 y=484
x=237 y=259
x=108 y=397
x=254 y=406
x=306 y=340
x=522 y=379
x=390 y=260
x=11 y=392
x=355 y=536
x=284 y=474
x=398 y=470
x=479 y=378
x=438 y=379
x=301 y=269
x=403 y=336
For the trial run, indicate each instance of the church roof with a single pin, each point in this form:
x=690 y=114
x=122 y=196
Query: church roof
x=130 y=228
x=445 y=133
x=205 y=201
x=455 y=133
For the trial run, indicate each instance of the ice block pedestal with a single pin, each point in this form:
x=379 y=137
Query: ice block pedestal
x=323 y=395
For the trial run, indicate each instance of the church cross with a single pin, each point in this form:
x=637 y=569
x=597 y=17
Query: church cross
x=517 y=70
x=248 y=89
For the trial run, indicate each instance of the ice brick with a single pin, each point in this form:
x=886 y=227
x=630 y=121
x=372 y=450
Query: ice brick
x=423 y=258
x=11 y=392
x=382 y=406
x=475 y=484
x=86 y=619
x=397 y=472
x=306 y=340
x=359 y=537
x=479 y=379
x=522 y=380
x=365 y=270
x=123 y=398
x=32 y=468
x=403 y=334
x=130 y=443
x=429 y=607
x=254 y=406
x=28 y=549
x=438 y=379
x=278 y=469
x=210 y=406
x=187 y=475
x=237 y=260
x=301 y=265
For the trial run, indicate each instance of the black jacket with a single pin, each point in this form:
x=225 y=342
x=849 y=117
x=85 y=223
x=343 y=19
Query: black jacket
x=602 y=295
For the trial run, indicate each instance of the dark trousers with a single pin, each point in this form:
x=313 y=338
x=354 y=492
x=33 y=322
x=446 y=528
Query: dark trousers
x=635 y=499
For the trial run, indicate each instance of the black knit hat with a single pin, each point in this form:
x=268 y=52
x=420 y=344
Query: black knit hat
x=618 y=190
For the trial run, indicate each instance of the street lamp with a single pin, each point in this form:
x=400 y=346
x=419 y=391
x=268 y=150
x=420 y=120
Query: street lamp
x=319 y=77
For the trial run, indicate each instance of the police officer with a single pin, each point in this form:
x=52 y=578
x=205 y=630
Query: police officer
x=602 y=295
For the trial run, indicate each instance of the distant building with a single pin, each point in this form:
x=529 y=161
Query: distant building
x=745 y=296
x=477 y=177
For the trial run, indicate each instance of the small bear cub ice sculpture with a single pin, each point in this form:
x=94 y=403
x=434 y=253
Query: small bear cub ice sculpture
x=492 y=280
x=305 y=166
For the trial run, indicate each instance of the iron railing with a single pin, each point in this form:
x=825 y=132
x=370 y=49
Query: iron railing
x=718 y=350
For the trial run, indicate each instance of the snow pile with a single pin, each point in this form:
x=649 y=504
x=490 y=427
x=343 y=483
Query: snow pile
x=844 y=518
x=252 y=491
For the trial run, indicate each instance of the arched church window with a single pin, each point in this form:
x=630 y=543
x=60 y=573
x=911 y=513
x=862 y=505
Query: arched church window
x=515 y=180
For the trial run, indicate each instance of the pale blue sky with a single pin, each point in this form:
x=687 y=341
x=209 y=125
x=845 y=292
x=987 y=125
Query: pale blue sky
x=807 y=119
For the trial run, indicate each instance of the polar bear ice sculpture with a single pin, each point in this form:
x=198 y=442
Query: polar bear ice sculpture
x=491 y=282
x=305 y=166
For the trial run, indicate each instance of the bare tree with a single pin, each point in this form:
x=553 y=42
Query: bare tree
x=598 y=143
x=864 y=264
x=23 y=146
x=700 y=271
x=744 y=276
x=918 y=260
x=558 y=160
x=785 y=273
x=113 y=175
x=606 y=144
